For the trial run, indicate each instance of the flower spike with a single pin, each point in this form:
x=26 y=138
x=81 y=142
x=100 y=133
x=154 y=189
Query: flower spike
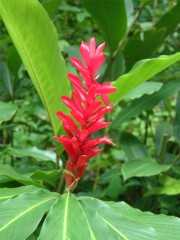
x=86 y=112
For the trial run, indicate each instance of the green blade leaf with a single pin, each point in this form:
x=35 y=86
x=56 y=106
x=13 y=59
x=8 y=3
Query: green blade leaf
x=21 y=215
x=144 y=88
x=5 y=76
x=36 y=42
x=8 y=171
x=66 y=220
x=146 y=102
x=110 y=17
x=142 y=71
x=142 y=168
x=89 y=218
x=170 y=20
x=123 y=222
x=164 y=227
x=7 y=111
x=34 y=152
x=142 y=48
x=6 y=193
x=132 y=146
x=51 y=6
x=50 y=177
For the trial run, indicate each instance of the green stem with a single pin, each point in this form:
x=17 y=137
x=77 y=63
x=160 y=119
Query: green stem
x=146 y=128
x=97 y=173
x=60 y=185
x=163 y=149
x=57 y=160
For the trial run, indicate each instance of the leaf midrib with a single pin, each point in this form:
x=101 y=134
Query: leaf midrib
x=115 y=229
x=23 y=213
x=109 y=224
x=32 y=68
x=65 y=216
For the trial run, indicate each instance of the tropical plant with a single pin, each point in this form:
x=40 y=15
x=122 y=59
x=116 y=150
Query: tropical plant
x=142 y=170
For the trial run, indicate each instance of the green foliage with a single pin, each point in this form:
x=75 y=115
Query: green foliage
x=106 y=14
x=143 y=169
x=7 y=173
x=94 y=215
x=146 y=102
x=7 y=111
x=39 y=52
x=31 y=210
x=142 y=71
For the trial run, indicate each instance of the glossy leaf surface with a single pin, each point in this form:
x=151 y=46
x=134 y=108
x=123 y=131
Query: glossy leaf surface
x=21 y=215
x=142 y=71
x=39 y=51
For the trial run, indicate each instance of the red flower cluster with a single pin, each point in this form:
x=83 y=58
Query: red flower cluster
x=86 y=112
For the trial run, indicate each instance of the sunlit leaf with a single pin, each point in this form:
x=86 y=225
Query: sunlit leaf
x=146 y=102
x=21 y=215
x=6 y=193
x=37 y=45
x=142 y=71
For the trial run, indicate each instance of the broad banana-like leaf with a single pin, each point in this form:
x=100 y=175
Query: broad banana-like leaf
x=35 y=38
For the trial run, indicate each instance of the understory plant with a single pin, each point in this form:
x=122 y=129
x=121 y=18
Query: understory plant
x=113 y=181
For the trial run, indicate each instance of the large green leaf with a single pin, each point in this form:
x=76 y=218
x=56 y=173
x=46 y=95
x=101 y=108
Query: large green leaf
x=146 y=102
x=92 y=219
x=141 y=48
x=10 y=174
x=132 y=146
x=36 y=41
x=66 y=220
x=81 y=218
x=6 y=193
x=21 y=215
x=142 y=71
x=50 y=177
x=34 y=152
x=164 y=227
x=110 y=17
x=144 y=88
x=170 y=20
x=51 y=6
x=7 y=111
x=142 y=168
x=120 y=221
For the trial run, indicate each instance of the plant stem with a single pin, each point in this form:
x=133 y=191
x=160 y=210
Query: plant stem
x=60 y=184
x=146 y=128
x=163 y=149
x=57 y=160
x=97 y=173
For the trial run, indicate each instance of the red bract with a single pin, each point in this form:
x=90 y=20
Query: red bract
x=86 y=112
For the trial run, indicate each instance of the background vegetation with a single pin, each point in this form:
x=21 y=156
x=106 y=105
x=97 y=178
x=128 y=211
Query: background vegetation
x=143 y=169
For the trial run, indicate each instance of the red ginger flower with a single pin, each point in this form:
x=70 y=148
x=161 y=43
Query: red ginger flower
x=86 y=112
